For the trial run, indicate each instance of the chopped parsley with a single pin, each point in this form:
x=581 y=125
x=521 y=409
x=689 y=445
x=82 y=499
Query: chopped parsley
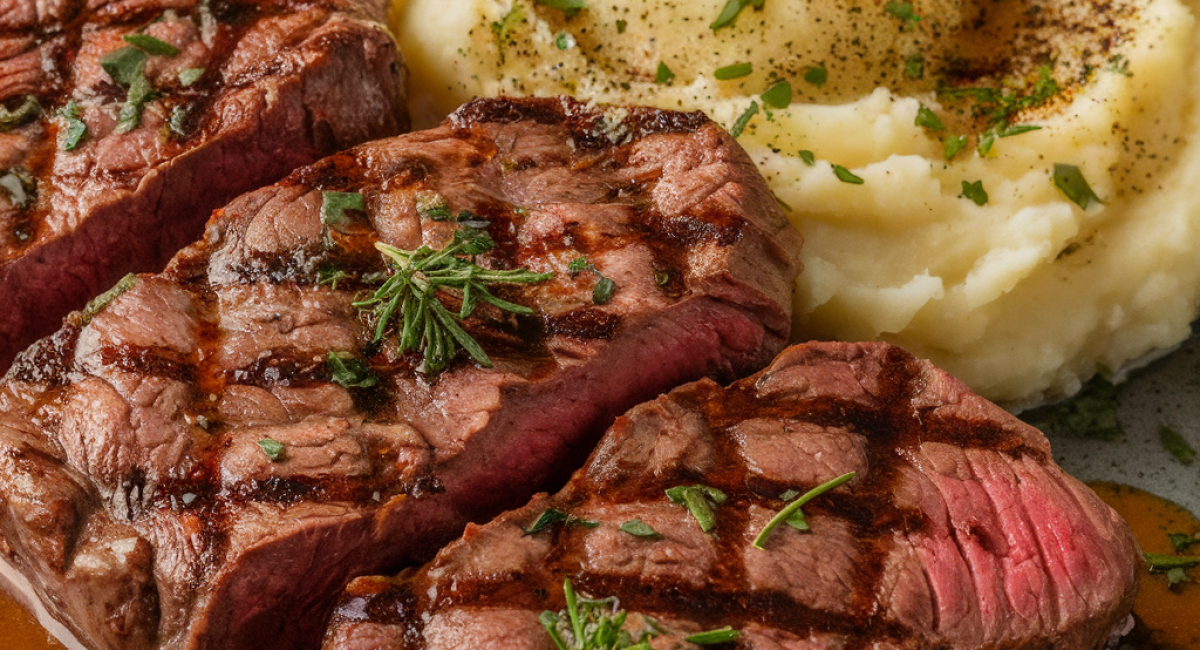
x=1000 y=106
x=733 y=71
x=151 y=45
x=348 y=371
x=639 y=528
x=902 y=10
x=808 y=157
x=272 y=448
x=1176 y=445
x=1182 y=541
x=553 y=516
x=179 y=116
x=1090 y=414
x=816 y=75
x=663 y=75
x=621 y=26
x=954 y=144
x=793 y=507
x=76 y=129
x=778 y=96
x=975 y=192
x=568 y=7
x=712 y=637
x=846 y=176
x=189 y=76
x=914 y=66
x=564 y=41
x=335 y=204
x=699 y=500
x=927 y=119
x=1070 y=180
x=743 y=120
x=431 y=205
x=126 y=66
x=731 y=10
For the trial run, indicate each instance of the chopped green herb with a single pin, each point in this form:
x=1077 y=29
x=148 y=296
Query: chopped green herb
x=740 y=124
x=432 y=205
x=29 y=109
x=1183 y=541
x=1176 y=576
x=124 y=65
x=733 y=71
x=593 y=624
x=1091 y=414
x=348 y=371
x=664 y=74
x=816 y=76
x=926 y=118
x=954 y=144
x=712 y=637
x=76 y=129
x=808 y=157
x=1001 y=106
x=410 y=295
x=130 y=116
x=914 y=66
x=1177 y=445
x=794 y=506
x=151 y=45
x=778 y=96
x=730 y=12
x=985 y=142
x=189 y=76
x=1009 y=131
x=602 y=293
x=552 y=516
x=902 y=10
x=1119 y=65
x=699 y=500
x=639 y=528
x=1070 y=180
x=272 y=448
x=975 y=192
x=846 y=176
x=568 y=7
x=504 y=27
x=21 y=187
x=335 y=204
x=1161 y=562
x=564 y=41
x=179 y=116
x=331 y=275
x=621 y=26
x=101 y=301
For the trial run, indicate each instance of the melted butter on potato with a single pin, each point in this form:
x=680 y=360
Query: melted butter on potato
x=1022 y=297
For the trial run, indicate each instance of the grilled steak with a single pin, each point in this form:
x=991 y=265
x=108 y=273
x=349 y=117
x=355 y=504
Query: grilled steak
x=204 y=458
x=128 y=123
x=956 y=530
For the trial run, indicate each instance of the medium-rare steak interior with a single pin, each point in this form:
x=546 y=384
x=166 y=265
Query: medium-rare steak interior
x=203 y=458
x=953 y=529
x=123 y=125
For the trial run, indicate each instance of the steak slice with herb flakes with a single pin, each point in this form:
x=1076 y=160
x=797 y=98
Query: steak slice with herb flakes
x=125 y=124
x=848 y=496
x=204 y=458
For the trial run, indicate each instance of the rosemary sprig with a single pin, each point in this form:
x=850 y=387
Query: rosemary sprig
x=410 y=297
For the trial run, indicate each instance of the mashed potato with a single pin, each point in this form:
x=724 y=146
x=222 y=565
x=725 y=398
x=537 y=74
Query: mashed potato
x=981 y=261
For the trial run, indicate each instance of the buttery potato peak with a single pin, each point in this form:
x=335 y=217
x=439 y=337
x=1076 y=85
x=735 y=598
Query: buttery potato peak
x=1004 y=187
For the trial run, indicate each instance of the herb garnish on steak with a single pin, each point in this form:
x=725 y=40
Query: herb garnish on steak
x=211 y=456
x=942 y=522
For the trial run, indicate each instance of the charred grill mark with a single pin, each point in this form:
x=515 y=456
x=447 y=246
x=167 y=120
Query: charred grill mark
x=280 y=370
x=586 y=323
x=147 y=361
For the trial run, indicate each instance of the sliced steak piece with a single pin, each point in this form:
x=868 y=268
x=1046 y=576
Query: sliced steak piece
x=143 y=117
x=183 y=466
x=956 y=530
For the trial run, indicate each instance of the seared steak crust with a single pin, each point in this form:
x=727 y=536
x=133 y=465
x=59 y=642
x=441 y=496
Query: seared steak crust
x=255 y=89
x=134 y=489
x=956 y=531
